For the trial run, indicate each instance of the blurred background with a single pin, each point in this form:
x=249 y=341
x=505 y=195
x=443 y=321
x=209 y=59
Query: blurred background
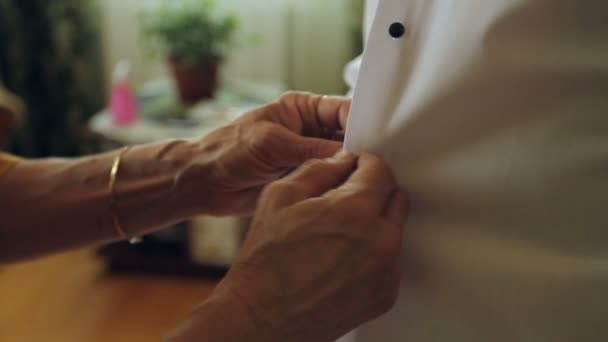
x=85 y=76
x=59 y=56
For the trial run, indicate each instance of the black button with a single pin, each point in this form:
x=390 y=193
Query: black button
x=397 y=30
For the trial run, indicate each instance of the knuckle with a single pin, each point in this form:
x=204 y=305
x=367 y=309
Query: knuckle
x=264 y=135
x=291 y=96
x=295 y=101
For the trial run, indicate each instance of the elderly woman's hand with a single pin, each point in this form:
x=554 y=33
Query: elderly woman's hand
x=233 y=164
x=322 y=258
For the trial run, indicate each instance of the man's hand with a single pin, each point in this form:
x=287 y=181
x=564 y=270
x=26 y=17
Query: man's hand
x=321 y=259
x=236 y=162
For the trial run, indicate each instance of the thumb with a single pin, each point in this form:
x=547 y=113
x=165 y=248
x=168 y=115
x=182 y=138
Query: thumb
x=301 y=149
x=312 y=179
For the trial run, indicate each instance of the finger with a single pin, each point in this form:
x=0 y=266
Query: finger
x=313 y=179
x=313 y=115
x=397 y=209
x=297 y=149
x=373 y=180
x=314 y=148
x=332 y=108
x=373 y=173
x=324 y=175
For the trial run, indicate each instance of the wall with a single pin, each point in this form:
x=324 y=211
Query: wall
x=303 y=44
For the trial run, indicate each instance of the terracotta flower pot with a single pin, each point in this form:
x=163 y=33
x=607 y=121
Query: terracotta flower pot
x=195 y=82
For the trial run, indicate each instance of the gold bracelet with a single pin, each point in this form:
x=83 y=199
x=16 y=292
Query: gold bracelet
x=113 y=198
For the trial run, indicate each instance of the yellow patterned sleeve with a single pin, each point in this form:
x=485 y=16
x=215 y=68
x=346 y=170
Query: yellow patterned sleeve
x=7 y=161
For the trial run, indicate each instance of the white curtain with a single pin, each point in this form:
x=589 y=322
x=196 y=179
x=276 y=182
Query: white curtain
x=302 y=44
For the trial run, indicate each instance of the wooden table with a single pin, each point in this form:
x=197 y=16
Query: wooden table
x=70 y=298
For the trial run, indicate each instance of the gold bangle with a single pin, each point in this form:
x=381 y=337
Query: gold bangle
x=113 y=198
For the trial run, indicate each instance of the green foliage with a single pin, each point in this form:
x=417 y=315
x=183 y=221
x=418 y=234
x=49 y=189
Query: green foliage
x=191 y=30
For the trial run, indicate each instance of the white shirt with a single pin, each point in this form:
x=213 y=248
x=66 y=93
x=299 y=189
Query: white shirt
x=494 y=115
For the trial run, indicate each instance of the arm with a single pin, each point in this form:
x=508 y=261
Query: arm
x=56 y=204
x=346 y=212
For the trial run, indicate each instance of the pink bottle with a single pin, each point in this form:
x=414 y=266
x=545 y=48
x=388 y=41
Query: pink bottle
x=123 y=103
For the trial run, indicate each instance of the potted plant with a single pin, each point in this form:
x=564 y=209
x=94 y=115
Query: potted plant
x=195 y=36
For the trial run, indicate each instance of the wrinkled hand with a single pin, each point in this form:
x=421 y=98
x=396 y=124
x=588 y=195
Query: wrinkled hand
x=261 y=146
x=322 y=256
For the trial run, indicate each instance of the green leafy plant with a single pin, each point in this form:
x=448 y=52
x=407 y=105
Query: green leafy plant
x=190 y=30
